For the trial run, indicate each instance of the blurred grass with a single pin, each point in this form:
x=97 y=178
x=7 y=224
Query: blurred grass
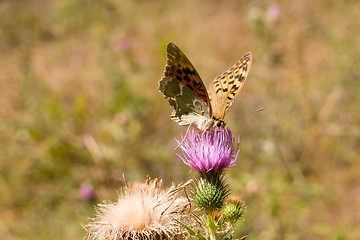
x=79 y=104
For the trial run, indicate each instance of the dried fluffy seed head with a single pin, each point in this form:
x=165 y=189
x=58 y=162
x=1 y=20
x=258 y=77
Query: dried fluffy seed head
x=143 y=211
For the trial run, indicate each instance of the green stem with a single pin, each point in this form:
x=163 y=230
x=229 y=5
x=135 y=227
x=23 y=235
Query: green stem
x=212 y=227
x=212 y=235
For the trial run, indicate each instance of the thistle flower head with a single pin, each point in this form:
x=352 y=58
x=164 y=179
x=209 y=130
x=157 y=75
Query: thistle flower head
x=143 y=211
x=210 y=152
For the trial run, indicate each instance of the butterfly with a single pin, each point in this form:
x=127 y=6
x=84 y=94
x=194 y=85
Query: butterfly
x=186 y=92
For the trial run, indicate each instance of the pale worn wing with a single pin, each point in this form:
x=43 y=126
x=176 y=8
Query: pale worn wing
x=224 y=89
x=189 y=108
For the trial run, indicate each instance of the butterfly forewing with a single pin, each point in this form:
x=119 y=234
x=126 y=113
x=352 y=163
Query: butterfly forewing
x=178 y=66
x=184 y=90
x=224 y=89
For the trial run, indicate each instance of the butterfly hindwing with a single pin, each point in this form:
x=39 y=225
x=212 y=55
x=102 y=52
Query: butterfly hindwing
x=189 y=108
x=224 y=89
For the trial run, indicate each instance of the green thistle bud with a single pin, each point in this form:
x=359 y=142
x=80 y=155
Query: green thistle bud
x=210 y=195
x=234 y=210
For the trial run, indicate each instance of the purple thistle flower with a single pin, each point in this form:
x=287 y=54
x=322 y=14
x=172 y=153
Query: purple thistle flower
x=210 y=151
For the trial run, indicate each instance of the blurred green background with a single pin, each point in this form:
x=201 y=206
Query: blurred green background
x=80 y=107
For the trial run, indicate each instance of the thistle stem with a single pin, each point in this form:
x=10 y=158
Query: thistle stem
x=212 y=235
x=212 y=227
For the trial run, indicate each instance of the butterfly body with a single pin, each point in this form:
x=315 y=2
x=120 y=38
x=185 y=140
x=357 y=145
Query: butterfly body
x=186 y=92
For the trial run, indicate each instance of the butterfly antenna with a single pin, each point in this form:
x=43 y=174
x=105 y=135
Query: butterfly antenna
x=257 y=110
x=184 y=138
x=243 y=114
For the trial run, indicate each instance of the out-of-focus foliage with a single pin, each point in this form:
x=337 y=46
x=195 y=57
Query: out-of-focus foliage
x=80 y=106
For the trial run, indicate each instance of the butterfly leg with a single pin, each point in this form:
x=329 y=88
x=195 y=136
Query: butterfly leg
x=202 y=137
x=184 y=138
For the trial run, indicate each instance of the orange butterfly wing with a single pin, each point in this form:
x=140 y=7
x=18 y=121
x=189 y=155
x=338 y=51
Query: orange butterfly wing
x=179 y=67
x=225 y=87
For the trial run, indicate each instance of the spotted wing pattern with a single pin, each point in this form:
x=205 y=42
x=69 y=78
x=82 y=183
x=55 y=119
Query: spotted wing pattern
x=179 y=67
x=227 y=86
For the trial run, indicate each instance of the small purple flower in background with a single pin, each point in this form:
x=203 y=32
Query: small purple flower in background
x=273 y=12
x=86 y=191
x=210 y=151
x=124 y=44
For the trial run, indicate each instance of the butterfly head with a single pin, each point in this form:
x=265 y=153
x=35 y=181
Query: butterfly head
x=215 y=123
x=219 y=122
